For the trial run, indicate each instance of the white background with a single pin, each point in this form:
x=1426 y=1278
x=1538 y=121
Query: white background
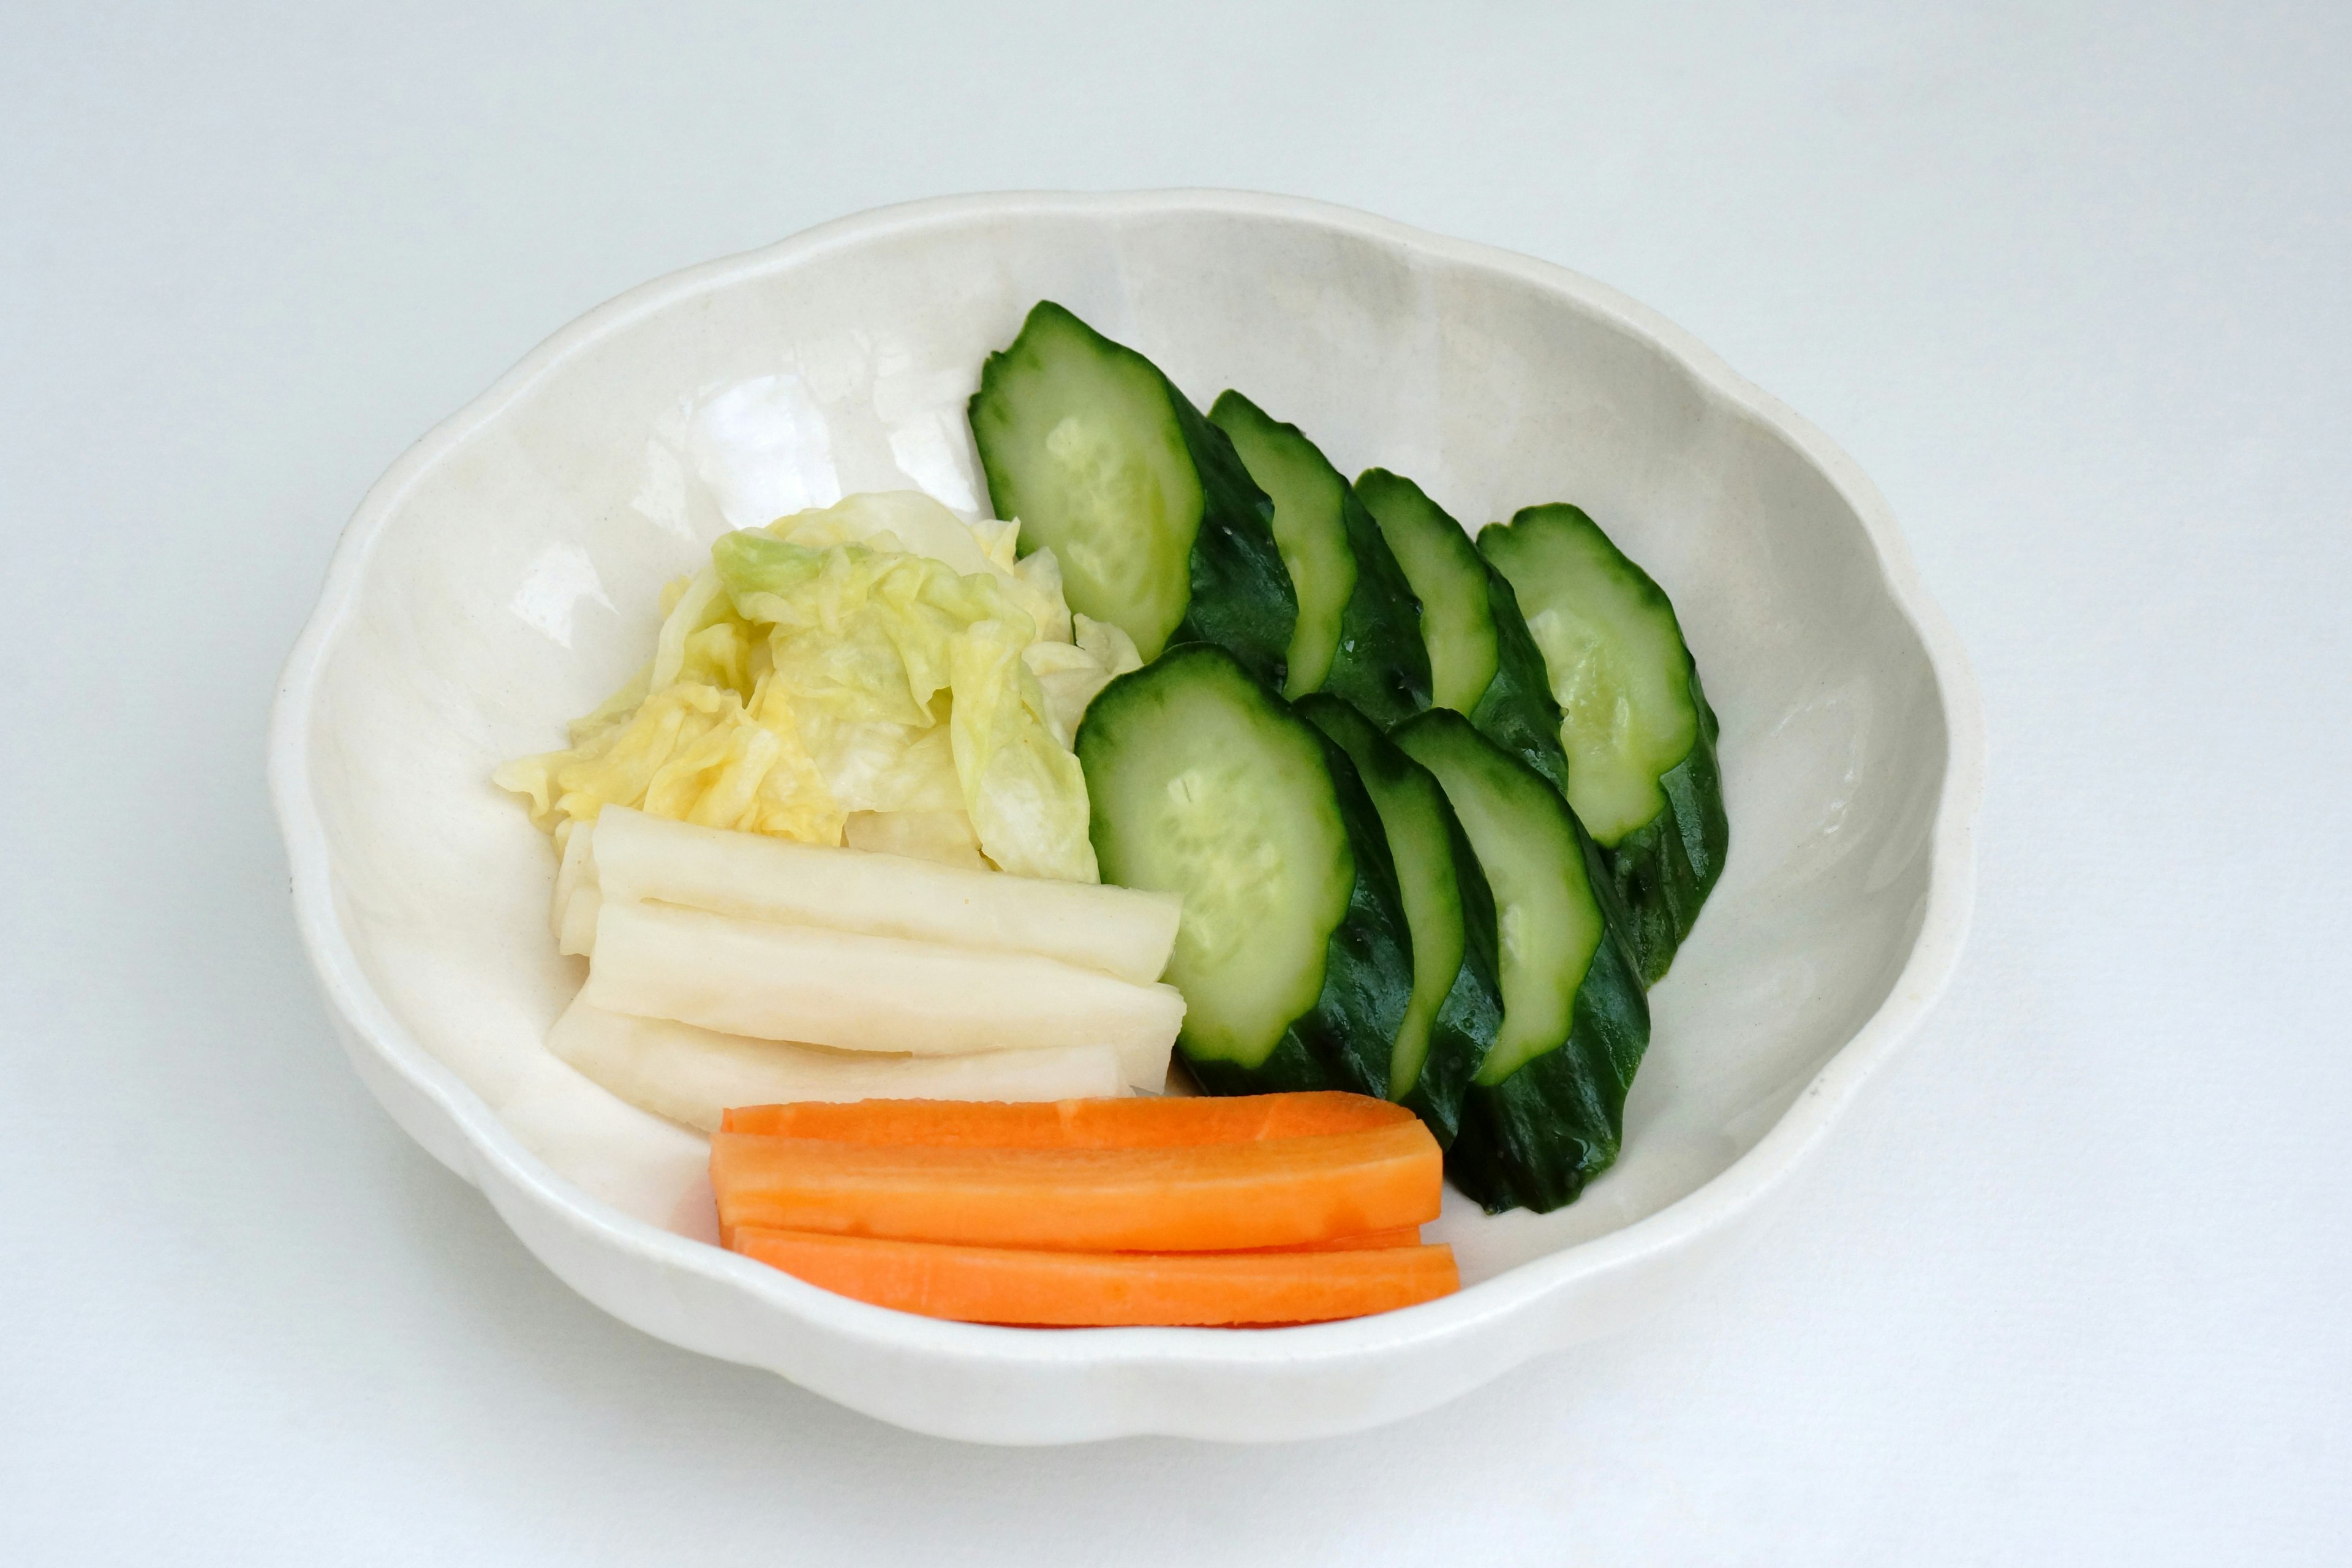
x=2071 y=1286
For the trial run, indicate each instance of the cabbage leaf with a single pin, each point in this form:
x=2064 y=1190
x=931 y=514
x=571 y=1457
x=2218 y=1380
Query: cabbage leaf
x=878 y=656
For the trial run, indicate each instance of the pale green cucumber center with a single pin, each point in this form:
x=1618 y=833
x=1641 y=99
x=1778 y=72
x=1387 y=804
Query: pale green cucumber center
x=1549 y=929
x=1223 y=852
x=1237 y=814
x=1547 y=922
x=1117 y=535
x=1457 y=623
x=1617 y=667
x=1612 y=759
x=1308 y=496
x=1432 y=913
x=1413 y=816
x=1083 y=447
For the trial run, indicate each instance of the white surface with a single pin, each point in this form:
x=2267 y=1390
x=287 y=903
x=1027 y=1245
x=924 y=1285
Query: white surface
x=1852 y=760
x=2069 y=1288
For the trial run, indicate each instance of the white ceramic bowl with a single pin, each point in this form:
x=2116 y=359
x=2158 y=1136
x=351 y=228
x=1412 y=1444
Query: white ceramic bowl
x=502 y=577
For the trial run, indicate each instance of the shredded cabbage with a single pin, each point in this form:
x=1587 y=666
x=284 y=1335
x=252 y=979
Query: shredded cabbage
x=1071 y=675
x=1021 y=784
x=879 y=656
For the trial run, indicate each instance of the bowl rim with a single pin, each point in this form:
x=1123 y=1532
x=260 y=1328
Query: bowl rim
x=1715 y=1205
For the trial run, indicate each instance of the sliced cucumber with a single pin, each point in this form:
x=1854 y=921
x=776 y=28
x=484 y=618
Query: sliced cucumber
x=1292 y=951
x=1157 y=525
x=1482 y=662
x=1640 y=737
x=1546 y=1110
x=1456 y=1006
x=1456 y=622
x=1359 y=630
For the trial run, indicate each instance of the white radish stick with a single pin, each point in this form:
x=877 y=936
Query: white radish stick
x=864 y=993
x=576 y=869
x=578 y=936
x=691 y=1075
x=1118 y=930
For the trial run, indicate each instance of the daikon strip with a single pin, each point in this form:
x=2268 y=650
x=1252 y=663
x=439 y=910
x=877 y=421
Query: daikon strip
x=869 y=993
x=1117 y=931
x=693 y=1076
x=577 y=868
x=578 y=935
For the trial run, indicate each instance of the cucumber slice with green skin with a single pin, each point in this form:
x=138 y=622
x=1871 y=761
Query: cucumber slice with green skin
x=1546 y=1110
x=1640 y=737
x=1456 y=1005
x=1292 y=951
x=1359 y=630
x=1157 y=526
x=1482 y=662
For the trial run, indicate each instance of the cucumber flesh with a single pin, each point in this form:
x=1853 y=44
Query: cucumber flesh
x=1636 y=728
x=1155 y=523
x=1292 y=953
x=1456 y=1007
x=1358 y=633
x=1544 y=1113
x=1615 y=657
x=1442 y=566
x=1483 y=662
x=1305 y=497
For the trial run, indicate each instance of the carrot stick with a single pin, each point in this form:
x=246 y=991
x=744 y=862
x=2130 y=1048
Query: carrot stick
x=1210 y=1197
x=1123 y=1123
x=997 y=1285
x=1397 y=1236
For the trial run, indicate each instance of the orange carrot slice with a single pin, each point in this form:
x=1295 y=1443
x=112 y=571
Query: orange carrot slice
x=1398 y=1235
x=1210 y=1197
x=1126 y=1123
x=998 y=1285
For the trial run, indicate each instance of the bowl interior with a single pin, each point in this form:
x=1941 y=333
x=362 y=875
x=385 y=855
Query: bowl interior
x=512 y=584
